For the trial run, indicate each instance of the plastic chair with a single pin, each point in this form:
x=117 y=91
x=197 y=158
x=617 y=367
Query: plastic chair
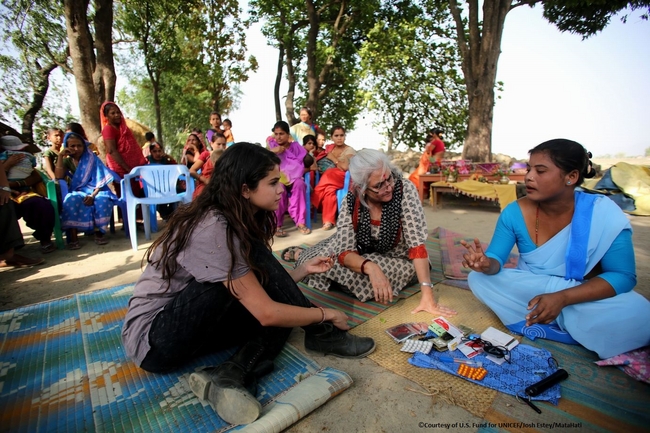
x=51 y=195
x=159 y=185
x=341 y=193
x=308 y=197
x=54 y=199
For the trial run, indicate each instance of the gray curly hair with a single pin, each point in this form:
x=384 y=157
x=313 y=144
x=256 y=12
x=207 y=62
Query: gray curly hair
x=362 y=165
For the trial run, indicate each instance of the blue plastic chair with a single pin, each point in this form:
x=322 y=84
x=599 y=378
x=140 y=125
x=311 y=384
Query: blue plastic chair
x=341 y=193
x=308 y=197
x=159 y=185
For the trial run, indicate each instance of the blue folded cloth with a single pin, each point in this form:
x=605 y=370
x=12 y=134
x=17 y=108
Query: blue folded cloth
x=528 y=365
x=548 y=332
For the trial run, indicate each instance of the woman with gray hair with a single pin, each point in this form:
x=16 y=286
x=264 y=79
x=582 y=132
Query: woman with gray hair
x=379 y=245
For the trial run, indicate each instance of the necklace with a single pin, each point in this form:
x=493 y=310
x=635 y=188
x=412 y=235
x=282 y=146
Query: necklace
x=537 y=225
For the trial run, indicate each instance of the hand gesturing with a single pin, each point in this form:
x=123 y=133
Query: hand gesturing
x=475 y=258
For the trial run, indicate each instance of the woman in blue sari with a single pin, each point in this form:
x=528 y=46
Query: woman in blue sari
x=576 y=270
x=89 y=203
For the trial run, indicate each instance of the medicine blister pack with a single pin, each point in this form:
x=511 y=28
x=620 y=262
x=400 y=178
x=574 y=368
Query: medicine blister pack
x=412 y=346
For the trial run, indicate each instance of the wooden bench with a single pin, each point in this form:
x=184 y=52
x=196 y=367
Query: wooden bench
x=425 y=180
x=436 y=195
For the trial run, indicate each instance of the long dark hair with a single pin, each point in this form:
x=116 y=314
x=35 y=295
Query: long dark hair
x=567 y=155
x=243 y=164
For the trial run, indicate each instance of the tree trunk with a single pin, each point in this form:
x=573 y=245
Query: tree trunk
x=37 y=102
x=313 y=83
x=278 y=81
x=290 y=111
x=477 y=146
x=155 y=84
x=83 y=64
x=480 y=56
x=104 y=74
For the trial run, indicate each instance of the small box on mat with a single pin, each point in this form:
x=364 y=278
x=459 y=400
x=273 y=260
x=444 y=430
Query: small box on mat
x=440 y=325
x=403 y=331
x=498 y=338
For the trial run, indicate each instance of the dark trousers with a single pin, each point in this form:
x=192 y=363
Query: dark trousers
x=206 y=317
x=38 y=214
x=10 y=235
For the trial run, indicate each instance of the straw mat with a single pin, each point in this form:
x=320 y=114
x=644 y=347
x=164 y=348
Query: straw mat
x=476 y=399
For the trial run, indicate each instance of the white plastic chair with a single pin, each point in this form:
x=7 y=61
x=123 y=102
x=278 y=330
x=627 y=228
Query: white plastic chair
x=159 y=184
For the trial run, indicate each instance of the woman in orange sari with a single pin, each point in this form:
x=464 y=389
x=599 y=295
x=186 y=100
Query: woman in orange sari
x=434 y=151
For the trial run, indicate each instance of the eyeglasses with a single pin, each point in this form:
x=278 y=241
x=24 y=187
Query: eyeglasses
x=383 y=185
x=489 y=348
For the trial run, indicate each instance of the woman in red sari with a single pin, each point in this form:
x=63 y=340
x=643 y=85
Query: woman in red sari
x=333 y=163
x=123 y=152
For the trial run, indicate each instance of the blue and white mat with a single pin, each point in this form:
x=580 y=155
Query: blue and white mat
x=62 y=368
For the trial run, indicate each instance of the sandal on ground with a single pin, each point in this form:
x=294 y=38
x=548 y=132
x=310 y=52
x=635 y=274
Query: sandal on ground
x=289 y=254
x=45 y=249
x=328 y=226
x=18 y=261
x=281 y=233
x=304 y=230
x=74 y=245
x=101 y=240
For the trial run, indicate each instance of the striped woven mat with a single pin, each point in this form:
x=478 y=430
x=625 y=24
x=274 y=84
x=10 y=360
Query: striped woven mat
x=62 y=368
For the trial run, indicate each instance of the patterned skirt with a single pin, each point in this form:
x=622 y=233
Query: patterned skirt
x=398 y=269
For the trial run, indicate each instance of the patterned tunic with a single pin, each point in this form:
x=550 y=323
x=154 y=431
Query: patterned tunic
x=396 y=264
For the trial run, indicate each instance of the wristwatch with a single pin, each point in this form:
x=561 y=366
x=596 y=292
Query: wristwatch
x=5 y=188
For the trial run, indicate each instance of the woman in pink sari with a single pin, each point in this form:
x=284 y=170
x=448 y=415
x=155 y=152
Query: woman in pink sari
x=122 y=150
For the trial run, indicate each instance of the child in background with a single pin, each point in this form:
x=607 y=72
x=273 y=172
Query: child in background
x=320 y=143
x=151 y=140
x=9 y=146
x=309 y=143
x=50 y=156
x=157 y=156
x=206 y=167
x=215 y=123
x=227 y=132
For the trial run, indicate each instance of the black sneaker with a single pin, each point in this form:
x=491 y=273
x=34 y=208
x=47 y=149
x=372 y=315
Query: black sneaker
x=327 y=339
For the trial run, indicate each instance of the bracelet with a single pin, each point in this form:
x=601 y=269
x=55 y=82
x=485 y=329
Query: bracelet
x=426 y=284
x=323 y=312
x=5 y=188
x=363 y=265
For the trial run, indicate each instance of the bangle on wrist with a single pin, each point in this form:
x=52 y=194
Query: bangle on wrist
x=363 y=266
x=323 y=313
x=5 y=188
x=426 y=284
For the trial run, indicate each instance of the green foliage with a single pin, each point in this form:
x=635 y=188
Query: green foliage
x=34 y=44
x=194 y=61
x=647 y=152
x=587 y=18
x=334 y=92
x=412 y=77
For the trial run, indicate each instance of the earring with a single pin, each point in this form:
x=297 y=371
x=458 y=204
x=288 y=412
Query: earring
x=568 y=183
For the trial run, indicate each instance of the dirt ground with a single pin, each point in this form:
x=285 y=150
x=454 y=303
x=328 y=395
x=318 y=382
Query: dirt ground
x=377 y=401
